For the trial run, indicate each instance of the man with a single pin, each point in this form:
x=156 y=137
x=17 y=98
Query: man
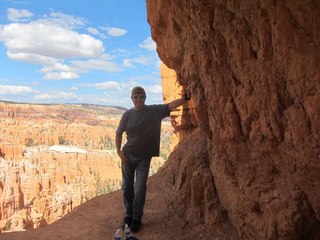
x=142 y=125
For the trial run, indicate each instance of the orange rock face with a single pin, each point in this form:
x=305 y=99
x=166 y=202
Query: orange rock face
x=253 y=71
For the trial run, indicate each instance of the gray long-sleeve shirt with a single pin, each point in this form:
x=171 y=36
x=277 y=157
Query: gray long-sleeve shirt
x=143 y=128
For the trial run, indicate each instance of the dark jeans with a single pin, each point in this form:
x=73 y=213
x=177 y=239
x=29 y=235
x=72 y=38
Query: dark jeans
x=134 y=190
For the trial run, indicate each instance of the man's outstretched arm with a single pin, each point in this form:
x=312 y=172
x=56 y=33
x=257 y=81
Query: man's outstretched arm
x=178 y=102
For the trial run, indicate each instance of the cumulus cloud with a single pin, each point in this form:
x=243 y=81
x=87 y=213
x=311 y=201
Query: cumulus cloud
x=61 y=75
x=57 y=67
x=51 y=41
x=15 y=89
x=64 y=47
x=74 y=68
x=63 y=20
x=31 y=58
x=16 y=15
x=127 y=63
x=59 y=71
x=142 y=60
x=149 y=44
x=56 y=95
x=157 y=88
x=104 y=63
x=48 y=41
x=108 y=85
x=93 y=31
x=116 y=32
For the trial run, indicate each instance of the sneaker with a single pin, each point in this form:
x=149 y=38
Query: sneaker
x=135 y=225
x=126 y=220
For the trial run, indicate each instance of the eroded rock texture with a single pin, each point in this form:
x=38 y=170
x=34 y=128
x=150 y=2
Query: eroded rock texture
x=252 y=158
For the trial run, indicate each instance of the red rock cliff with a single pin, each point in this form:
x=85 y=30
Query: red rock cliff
x=252 y=156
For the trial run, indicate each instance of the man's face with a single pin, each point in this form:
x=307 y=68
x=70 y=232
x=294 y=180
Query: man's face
x=138 y=100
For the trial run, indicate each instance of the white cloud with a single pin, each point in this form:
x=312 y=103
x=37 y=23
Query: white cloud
x=63 y=20
x=127 y=63
x=108 y=85
x=157 y=89
x=14 y=89
x=50 y=41
x=103 y=64
x=29 y=43
x=74 y=68
x=142 y=60
x=107 y=99
x=61 y=75
x=16 y=15
x=149 y=44
x=93 y=31
x=116 y=32
x=56 y=67
x=56 y=95
x=63 y=53
x=31 y=58
x=43 y=96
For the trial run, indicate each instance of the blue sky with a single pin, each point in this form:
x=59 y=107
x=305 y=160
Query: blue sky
x=72 y=51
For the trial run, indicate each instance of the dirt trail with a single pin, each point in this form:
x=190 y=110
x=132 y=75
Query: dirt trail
x=100 y=217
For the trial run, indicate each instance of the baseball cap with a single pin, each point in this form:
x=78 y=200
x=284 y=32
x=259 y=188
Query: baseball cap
x=138 y=90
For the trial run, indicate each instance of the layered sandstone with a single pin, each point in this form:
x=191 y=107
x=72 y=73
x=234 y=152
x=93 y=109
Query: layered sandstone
x=253 y=70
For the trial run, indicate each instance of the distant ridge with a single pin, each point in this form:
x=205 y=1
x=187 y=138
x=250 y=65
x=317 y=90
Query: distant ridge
x=69 y=104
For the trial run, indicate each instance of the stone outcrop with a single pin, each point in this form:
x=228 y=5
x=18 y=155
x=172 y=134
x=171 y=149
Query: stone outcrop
x=181 y=118
x=253 y=70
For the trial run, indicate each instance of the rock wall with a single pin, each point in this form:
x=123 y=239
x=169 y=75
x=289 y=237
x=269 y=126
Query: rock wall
x=251 y=154
x=180 y=117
